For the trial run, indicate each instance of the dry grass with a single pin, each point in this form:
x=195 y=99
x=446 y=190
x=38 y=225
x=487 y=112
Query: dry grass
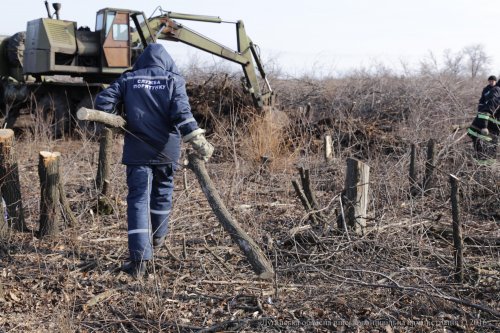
x=264 y=140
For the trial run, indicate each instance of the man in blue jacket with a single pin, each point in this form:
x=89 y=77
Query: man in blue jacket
x=158 y=116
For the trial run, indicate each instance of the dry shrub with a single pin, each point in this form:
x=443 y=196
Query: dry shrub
x=265 y=138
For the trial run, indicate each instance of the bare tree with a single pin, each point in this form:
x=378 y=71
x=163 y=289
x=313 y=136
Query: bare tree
x=453 y=62
x=477 y=59
x=429 y=65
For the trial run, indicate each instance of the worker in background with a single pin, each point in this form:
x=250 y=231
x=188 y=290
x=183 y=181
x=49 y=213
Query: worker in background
x=486 y=94
x=484 y=130
x=158 y=116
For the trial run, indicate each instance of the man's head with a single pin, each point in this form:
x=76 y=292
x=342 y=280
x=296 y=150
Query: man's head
x=155 y=55
x=492 y=80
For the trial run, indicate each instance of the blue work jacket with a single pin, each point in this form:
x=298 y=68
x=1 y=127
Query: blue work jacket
x=156 y=107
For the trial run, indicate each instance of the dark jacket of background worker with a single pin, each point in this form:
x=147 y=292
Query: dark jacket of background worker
x=485 y=128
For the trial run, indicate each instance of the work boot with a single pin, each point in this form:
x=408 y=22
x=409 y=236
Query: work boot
x=158 y=242
x=135 y=269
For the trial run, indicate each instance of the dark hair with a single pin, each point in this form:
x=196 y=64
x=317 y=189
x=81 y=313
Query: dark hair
x=492 y=78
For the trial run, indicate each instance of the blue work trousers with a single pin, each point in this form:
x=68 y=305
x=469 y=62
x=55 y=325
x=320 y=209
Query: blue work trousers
x=149 y=202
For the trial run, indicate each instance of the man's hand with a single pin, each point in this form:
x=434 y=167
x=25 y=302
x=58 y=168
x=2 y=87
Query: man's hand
x=203 y=148
x=484 y=131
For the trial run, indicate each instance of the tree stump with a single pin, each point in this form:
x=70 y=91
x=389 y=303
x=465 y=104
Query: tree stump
x=306 y=185
x=356 y=194
x=307 y=196
x=9 y=184
x=52 y=198
x=305 y=202
x=48 y=171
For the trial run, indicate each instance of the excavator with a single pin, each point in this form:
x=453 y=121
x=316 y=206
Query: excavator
x=52 y=48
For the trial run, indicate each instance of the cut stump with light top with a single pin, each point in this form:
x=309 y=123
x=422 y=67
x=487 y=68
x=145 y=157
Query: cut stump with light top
x=9 y=181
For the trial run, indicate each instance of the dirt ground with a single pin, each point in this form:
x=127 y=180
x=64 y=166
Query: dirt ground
x=397 y=277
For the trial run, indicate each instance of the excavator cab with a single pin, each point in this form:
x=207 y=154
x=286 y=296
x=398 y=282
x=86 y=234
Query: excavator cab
x=113 y=27
x=124 y=34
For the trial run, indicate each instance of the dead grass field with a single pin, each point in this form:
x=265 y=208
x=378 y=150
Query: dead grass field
x=398 y=277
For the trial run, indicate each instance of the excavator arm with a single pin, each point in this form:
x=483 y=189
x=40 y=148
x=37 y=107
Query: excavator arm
x=164 y=27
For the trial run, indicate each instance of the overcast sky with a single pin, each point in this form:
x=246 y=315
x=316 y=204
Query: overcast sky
x=327 y=36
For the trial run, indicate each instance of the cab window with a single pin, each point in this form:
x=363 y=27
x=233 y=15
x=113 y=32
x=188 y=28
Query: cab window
x=99 y=22
x=109 y=21
x=120 y=32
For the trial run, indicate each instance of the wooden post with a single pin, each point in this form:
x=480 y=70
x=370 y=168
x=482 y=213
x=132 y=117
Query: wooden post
x=457 y=230
x=260 y=264
x=356 y=194
x=308 y=113
x=104 y=205
x=48 y=171
x=327 y=143
x=9 y=181
x=104 y=164
x=413 y=172
x=427 y=183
